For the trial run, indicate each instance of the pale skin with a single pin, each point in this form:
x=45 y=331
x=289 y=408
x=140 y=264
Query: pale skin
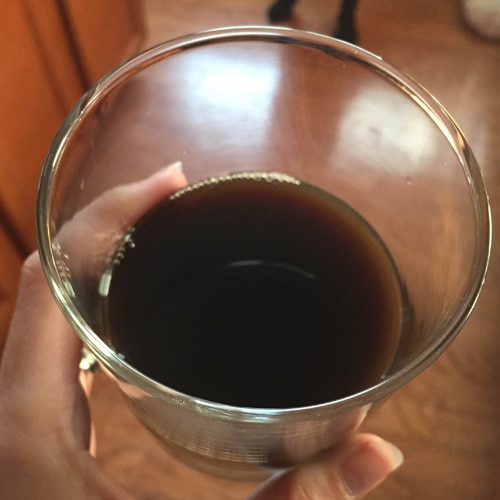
x=45 y=425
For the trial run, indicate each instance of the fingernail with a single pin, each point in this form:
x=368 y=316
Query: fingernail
x=177 y=165
x=369 y=464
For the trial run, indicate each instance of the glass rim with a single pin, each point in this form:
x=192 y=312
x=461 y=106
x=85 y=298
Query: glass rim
x=422 y=98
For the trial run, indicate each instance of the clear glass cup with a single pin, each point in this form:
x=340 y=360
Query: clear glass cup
x=272 y=99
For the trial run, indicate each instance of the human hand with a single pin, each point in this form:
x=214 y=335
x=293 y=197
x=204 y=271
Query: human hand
x=44 y=417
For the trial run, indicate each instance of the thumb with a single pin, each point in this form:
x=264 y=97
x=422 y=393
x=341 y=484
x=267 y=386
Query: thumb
x=346 y=471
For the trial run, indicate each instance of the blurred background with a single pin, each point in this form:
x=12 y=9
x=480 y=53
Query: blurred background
x=447 y=421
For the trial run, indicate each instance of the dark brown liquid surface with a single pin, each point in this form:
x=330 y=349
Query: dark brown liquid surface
x=255 y=291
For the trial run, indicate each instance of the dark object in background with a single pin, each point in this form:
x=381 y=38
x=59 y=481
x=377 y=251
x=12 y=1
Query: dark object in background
x=281 y=10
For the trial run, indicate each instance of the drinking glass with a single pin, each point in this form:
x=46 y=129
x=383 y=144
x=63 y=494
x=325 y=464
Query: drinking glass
x=272 y=99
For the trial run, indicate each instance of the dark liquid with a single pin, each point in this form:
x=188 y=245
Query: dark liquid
x=255 y=291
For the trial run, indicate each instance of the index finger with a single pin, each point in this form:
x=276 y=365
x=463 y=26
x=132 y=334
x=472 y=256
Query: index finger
x=42 y=352
x=91 y=236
